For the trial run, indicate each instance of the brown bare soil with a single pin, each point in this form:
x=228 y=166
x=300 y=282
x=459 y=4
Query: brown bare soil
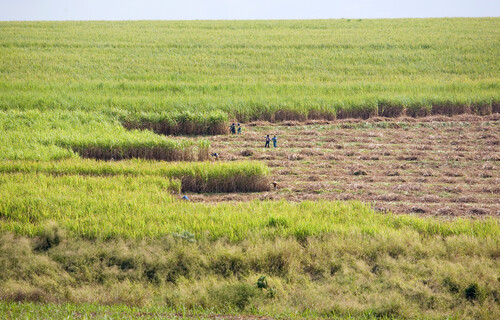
x=428 y=166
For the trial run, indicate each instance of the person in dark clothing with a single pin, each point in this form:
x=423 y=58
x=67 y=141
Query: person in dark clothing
x=233 y=128
x=267 y=142
x=239 y=128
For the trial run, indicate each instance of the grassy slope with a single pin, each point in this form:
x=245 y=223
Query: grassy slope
x=320 y=259
x=248 y=67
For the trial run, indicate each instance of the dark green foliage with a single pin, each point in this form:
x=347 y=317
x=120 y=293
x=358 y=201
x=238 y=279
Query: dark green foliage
x=182 y=264
x=264 y=286
x=334 y=268
x=359 y=173
x=389 y=310
x=125 y=263
x=262 y=282
x=228 y=265
x=472 y=292
x=301 y=235
x=276 y=263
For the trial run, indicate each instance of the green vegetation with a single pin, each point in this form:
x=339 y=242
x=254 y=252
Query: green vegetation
x=28 y=310
x=272 y=70
x=186 y=123
x=129 y=206
x=83 y=231
x=59 y=134
x=241 y=176
x=322 y=259
x=81 y=237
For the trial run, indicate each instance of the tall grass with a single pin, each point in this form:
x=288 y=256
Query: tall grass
x=185 y=123
x=141 y=206
x=85 y=231
x=59 y=134
x=238 y=176
x=369 y=266
x=252 y=70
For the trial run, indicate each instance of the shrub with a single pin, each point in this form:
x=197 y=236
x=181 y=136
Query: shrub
x=472 y=292
x=51 y=236
x=227 y=264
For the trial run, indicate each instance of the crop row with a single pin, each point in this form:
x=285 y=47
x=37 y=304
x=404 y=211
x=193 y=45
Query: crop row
x=258 y=70
x=59 y=134
x=241 y=176
x=141 y=206
x=185 y=123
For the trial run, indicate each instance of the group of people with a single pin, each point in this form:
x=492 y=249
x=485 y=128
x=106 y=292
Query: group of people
x=232 y=128
x=268 y=140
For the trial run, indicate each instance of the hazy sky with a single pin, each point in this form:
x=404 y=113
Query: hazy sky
x=241 y=9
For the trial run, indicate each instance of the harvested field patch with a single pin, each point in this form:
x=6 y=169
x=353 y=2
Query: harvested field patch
x=417 y=167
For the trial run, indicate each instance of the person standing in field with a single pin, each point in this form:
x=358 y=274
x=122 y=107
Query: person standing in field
x=239 y=128
x=233 y=128
x=275 y=141
x=267 y=142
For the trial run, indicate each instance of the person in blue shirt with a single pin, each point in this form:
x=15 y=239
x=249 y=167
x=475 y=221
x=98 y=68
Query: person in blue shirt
x=239 y=128
x=275 y=141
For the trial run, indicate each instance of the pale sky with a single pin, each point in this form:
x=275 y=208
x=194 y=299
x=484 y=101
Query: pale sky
x=241 y=9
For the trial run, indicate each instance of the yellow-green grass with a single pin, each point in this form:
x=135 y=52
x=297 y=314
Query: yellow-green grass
x=113 y=233
x=141 y=206
x=237 y=176
x=273 y=70
x=59 y=134
x=29 y=311
x=183 y=123
x=355 y=263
